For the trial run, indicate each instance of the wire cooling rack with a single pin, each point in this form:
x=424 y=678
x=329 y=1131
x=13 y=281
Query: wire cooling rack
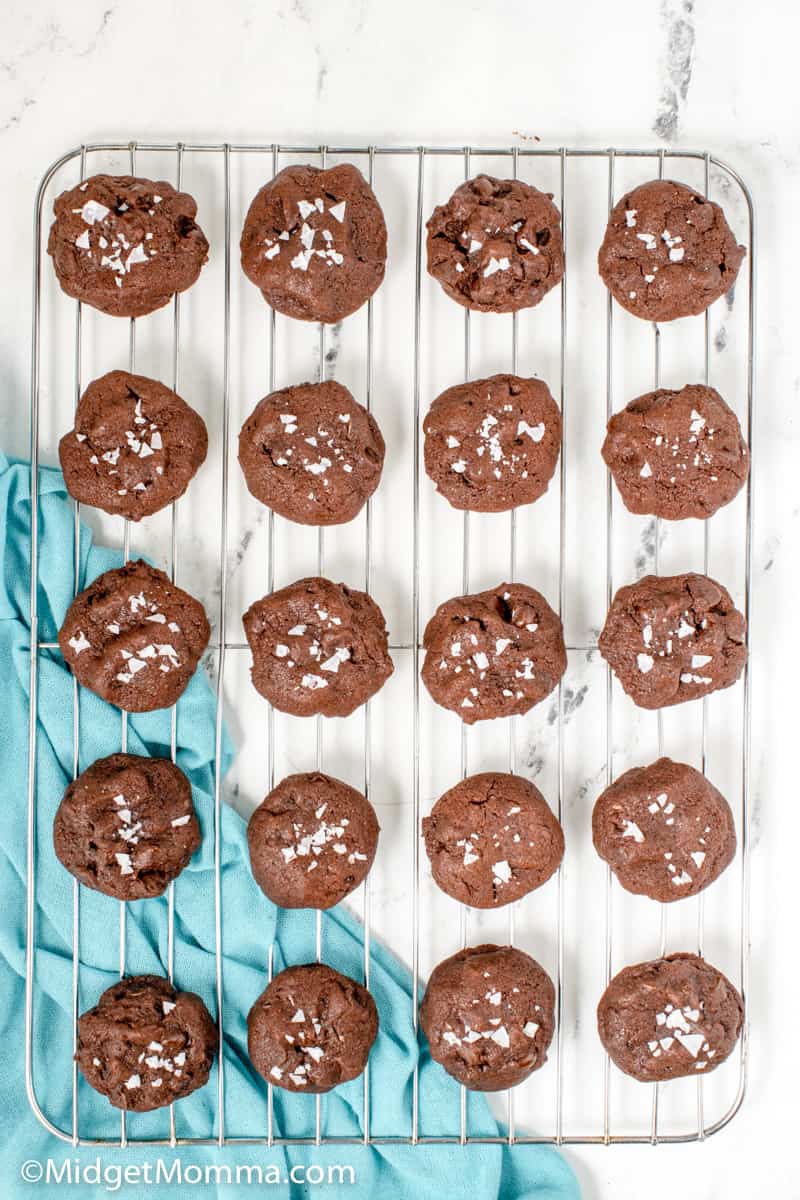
x=581 y=926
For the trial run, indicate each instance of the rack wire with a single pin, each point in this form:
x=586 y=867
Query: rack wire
x=222 y=645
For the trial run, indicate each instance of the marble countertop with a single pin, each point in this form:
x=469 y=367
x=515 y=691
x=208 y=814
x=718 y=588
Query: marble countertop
x=678 y=73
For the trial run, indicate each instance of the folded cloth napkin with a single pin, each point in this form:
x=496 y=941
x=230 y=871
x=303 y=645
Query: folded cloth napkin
x=248 y=924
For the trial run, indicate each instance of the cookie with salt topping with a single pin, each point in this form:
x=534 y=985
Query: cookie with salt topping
x=668 y=252
x=314 y=242
x=672 y=638
x=311 y=1029
x=312 y=841
x=665 y=830
x=318 y=647
x=488 y=1015
x=134 y=638
x=672 y=1017
x=126 y=245
x=491 y=839
x=135 y=446
x=494 y=654
x=312 y=453
x=496 y=245
x=146 y=1044
x=493 y=444
x=127 y=826
x=677 y=453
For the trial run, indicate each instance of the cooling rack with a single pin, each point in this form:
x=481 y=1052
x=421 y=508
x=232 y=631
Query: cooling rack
x=577 y=544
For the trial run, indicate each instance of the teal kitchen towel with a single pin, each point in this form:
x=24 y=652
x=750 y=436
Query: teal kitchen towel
x=248 y=924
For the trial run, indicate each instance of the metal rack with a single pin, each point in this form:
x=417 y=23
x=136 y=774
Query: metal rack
x=221 y=156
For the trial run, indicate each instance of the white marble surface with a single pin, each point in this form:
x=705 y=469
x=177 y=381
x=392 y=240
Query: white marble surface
x=702 y=75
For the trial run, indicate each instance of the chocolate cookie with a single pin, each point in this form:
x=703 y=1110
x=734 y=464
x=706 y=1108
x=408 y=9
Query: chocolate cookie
x=126 y=245
x=312 y=841
x=145 y=1044
x=134 y=638
x=664 y=830
x=135 y=446
x=488 y=1015
x=494 y=654
x=673 y=638
x=668 y=252
x=671 y=1017
x=677 y=454
x=318 y=647
x=314 y=242
x=495 y=246
x=312 y=1029
x=311 y=453
x=493 y=444
x=127 y=826
x=491 y=839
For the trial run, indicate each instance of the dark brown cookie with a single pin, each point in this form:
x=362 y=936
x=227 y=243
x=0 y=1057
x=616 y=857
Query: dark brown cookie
x=488 y=1015
x=312 y=841
x=311 y=453
x=126 y=245
x=135 y=447
x=664 y=830
x=314 y=242
x=677 y=454
x=145 y=1044
x=495 y=246
x=312 y=1029
x=134 y=638
x=318 y=647
x=493 y=444
x=127 y=826
x=673 y=638
x=668 y=252
x=495 y=654
x=671 y=1017
x=491 y=839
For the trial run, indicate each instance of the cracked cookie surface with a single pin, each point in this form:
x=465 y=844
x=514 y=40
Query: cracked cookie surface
x=496 y=246
x=493 y=654
x=314 y=242
x=126 y=245
x=488 y=1015
x=672 y=638
x=491 y=839
x=668 y=252
x=135 y=446
x=668 y=1018
x=311 y=1029
x=311 y=453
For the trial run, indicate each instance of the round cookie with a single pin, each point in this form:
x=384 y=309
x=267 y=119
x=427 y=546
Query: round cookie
x=673 y=638
x=493 y=444
x=135 y=447
x=677 y=454
x=491 y=839
x=312 y=841
x=318 y=647
x=664 y=830
x=668 y=252
x=314 y=242
x=494 y=654
x=127 y=826
x=145 y=1044
x=126 y=245
x=495 y=246
x=134 y=638
x=311 y=1029
x=668 y=1018
x=488 y=1015
x=311 y=453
